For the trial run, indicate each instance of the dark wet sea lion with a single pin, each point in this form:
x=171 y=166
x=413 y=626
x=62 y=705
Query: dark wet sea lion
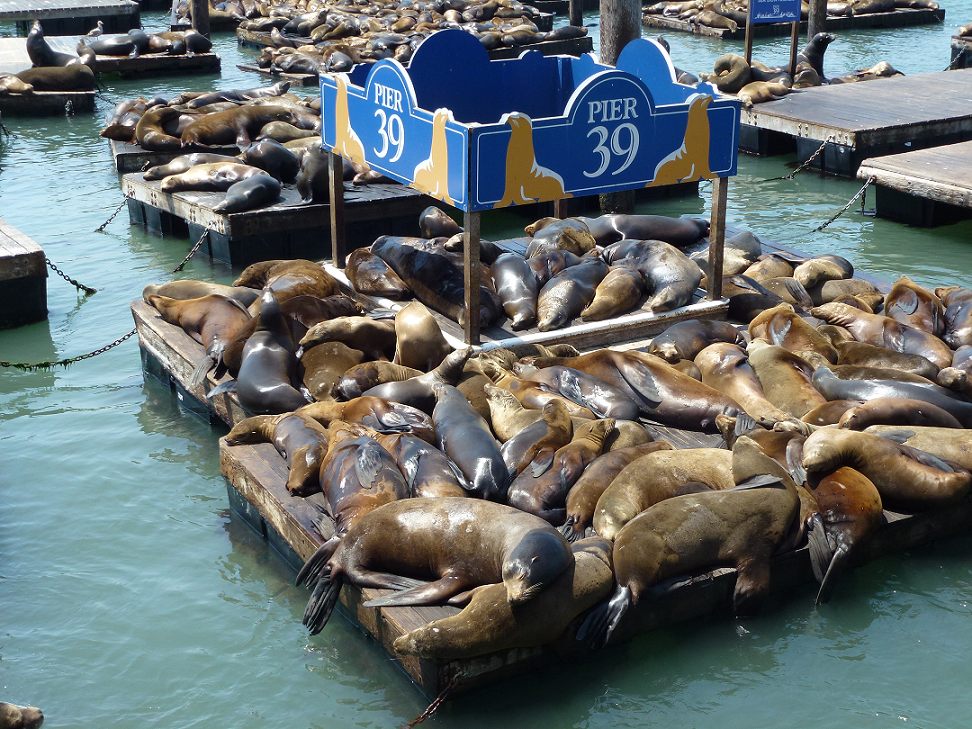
x=872 y=355
x=314 y=175
x=10 y=84
x=617 y=293
x=915 y=306
x=25 y=717
x=211 y=177
x=570 y=234
x=785 y=378
x=435 y=223
x=535 y=445
x=289 y=278
x=301 y=440
x=955 y=445
x=861 y=372
x=459 y=543
x=366 y=375
x=465 y=437
x=958 y=315
x=233 y=126
x=419 y=392
x=372 y=276
x=374 y=337
x=885 y=331
x=790 y=290
x=273 y=158
x=781 y=326
x=548 y=265
x=747 y=298
x=419 y=339
x=427 y=470
x=59 y=78
x=584 y=494
x=725 y=367
x=679 y=232
x=248 y=194
x=183 y=163
x=657 y=476
x=565 y=295
x=907 y=479
x=545 y=493
x=382 y=416
x=40 y=52
x=830 y=412
x=742 y=528
x=897 y=411
x=813 y=52
x=239 y=95
x=601 y=398
x=211 y=320
x=491 y=623
x=671 y=278
x=517 y=287
x=324 y=364
x=686 y=339
x=269 y=365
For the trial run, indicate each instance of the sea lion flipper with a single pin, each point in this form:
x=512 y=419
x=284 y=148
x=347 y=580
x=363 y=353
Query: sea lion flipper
x=542 y=463
x=744 y=424
x=321 y=604
x=756 y=482
x=199 y=373
x=604 y=618
x=315 y=566
x=368 y=462
x=778 y=329
x=228 y=386
x=836 y=567
x=898 y=436
x=428 y=593
x=794 y=461
x=929 y=459
x=567 y=529
x=821 y=553
x=382 y=313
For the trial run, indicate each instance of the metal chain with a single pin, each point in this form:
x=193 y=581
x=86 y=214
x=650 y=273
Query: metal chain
x=955 y=60
x=4 y=130
x=81 y=287
x=101 y=228
x=436 y=703
x=846 y=207
x=65 y=362
x=195 y=248
x=804 y=165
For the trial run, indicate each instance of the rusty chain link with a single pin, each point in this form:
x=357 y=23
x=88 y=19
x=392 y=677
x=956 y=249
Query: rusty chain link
x=803 y=165
x=80 y=286
x=436 y=703
x=846 y=207
x=101 y=228
x=65 y=362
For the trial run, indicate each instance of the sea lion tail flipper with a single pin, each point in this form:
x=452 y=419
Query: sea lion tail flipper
x=542 y=462
x=199 y=374
x=382 y=313
x=604 y=618
x=757 y=482
x=821 y=553
x=835 y=568
x=314 y=567
x=794 y=461
x=426 y=593
x=228 y=386
x=321 y=603
x=898 y=436
x=744 y=424
x=567 y=529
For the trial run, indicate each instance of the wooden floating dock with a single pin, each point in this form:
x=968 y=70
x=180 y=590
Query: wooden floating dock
x=899 y=18
x=133 y=157
x=961 y=52
x=42 y=103
x=926 y=187
x=69 y=17
x=23 y=278
x=287 y=229
x=296 y=79
x=862 y=120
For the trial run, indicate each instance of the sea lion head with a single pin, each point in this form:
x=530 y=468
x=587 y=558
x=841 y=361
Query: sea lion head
x=20 y=717
x=536 y=561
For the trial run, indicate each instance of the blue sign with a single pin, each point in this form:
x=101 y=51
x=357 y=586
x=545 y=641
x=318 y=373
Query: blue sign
x=774 y=11
x=481 y=134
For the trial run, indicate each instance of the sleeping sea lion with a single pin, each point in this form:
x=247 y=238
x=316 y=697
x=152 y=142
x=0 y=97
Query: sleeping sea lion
x=617 y=293
x=686 y=339
x=419 y=339
x=428 y=471
x=535 y=445
x=356 y=380
x=517 y=287
x=567 y=294
x=374 y=337
x=372 y=276
x=183 y=163
x=234 y=126
x=915 y=306
x=896 y=411
x=382 y=416
x=419 y=392
x=250 y=193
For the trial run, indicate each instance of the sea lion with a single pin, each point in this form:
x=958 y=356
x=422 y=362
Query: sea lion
x=896 y=411
x=517 y=287
x=59 y=78
x=915 y=306
x=313 y=179
x=533 y=394
x=906 y=478
x=548 y=265
x=958 y=315
x=419 y=391
x=785 y=378
x=382 y=416
x=419 y=340
x=565 y=295
x=872 y=355
x=679 y=232
x=731 y=73
x=942 y=442
x=536 y=445
x=324 y=364
x=272 y=157
x=289 y=278
x=758 y=92
x=832 y=290
x=10 y=84
x=671 y=277
x=813 y=53
x=464 y=436
x=686 y=339
x=743 y=527
x=747 y=298
x=814 y=271
x=545 y=493
x=507 y=415
x=40 y=52
x=356 y=380
x=713 y=20
x=459 y=543
x=771 y=265
x=830 y=412
x=298 y=438
x=211 y=177
x=587 y=490
x=374 y=337
x=26 y=717
x=885 y=331
x=958 y=376
x=372 y=276
x=428 y=471
x=435 y=223
x=553 y=234
x=191 y=289
x=781 y=326
x=656 y=476
x=211 y=320
x=491 y=623
x=234 y=126
x=601 y=398
x=248 y=194
x=269 y=365
x=725 y=367
x=183 y=163
x=617 y=293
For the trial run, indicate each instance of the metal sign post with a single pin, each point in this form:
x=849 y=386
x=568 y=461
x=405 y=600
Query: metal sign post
x=773 y=11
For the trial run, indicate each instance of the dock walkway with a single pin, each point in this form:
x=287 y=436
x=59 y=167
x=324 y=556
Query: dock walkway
x=64 y=17
x=23 y=278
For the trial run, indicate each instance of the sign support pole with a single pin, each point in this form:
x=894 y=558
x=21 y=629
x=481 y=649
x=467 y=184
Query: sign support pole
x=200 y=16
x=749 y=34
x=717 y=238
x=335 y=167
x=470 y=239
x=577 y=12
x=794 y=39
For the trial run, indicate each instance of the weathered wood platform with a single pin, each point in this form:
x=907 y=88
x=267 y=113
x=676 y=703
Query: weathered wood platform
x=23 y=278
x=961 y=52
x=900 y=18
x=42 y=103
x=133 y=157
x=287 y=229
x=862 y=120
x=66 y=17
x=297 y=79
x=925 y=187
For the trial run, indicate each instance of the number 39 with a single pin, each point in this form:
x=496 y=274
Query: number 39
x=392 y=133
x=631 y=150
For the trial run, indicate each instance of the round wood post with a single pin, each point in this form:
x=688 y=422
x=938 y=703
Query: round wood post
x=470 y=239
x=335 y=166
x=717 y=238
x=200 y=15
x=818 y=17
x=577 y=12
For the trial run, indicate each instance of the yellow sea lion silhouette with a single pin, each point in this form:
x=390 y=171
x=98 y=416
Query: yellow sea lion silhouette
x=432 y=175
x=689 y=162
x=526 y=181
x=346 y=142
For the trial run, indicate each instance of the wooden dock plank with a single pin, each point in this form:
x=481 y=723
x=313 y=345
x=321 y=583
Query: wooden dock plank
x=133 y=157
x=39 y=9
x=14 y=58
x=47 y=102
x=943 y=174
x=19 y=255
x=23 y=278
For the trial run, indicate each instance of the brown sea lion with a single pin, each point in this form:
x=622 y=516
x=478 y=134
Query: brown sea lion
x=507 y=415
x=149 y=132
x=191 y=289
x=686 y=339
x=897 y=411
x=59 y=78
x=211 y=320
x=958 y=376
x=324 y=364
x=533 y=394
x=517 y=288
x=461 y=544
x=289 y=278
x=374 y=337
x=356 y=380
x=657 y=476
x=372 y=276
x=731 y=72
x=536 y=444
x=587 y=490
x=428 y=471
x=567 y=294
x=743 y=527
x=770 y=265
x=548 y=265
x=757 y=92
x=830 y=412
x=832 y=290
x=785 y=378
x=601 y=398
x=872 y=355
x=915 y=306
x=907 y=479
x=949 y=443
x=958 y=315
x=10 y=84
x=299 y=439
x=545 y=494
x=420 y=342
x=781 y=326
x=617 y=293
x=553 y=234
x=419 y=392
x=211 y=177
x=790 y=290
x=670 y=275
x=30 y=717
x=382 y=416
x=885 y=331
x=234 y=126
x=185 y=162
x=815 y=271
x=491 y=623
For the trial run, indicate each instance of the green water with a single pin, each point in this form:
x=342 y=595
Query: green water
x=130 y=596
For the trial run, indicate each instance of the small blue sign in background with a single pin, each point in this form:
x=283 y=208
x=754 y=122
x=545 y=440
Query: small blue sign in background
x=774 y=11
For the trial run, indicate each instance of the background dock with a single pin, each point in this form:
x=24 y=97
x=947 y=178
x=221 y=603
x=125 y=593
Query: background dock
x=23 y=278
x=67 y=17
